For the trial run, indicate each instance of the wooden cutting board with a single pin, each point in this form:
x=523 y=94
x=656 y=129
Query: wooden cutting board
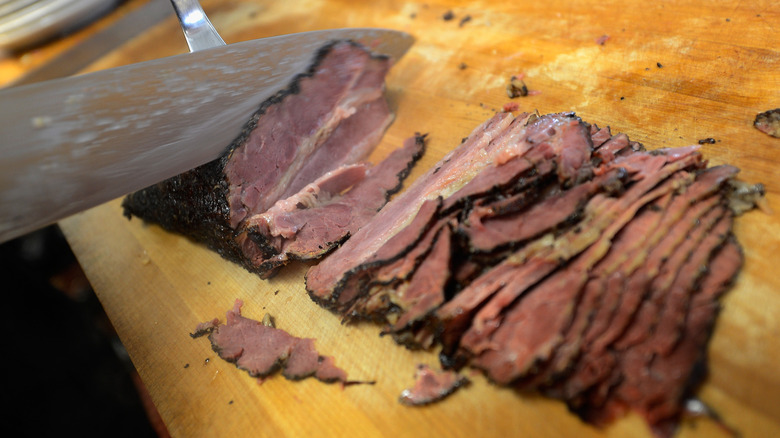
x=669 y=74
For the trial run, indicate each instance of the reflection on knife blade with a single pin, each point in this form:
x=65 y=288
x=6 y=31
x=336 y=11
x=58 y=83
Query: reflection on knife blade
x=73 y=143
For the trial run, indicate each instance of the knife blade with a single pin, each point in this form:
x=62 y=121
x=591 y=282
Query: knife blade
x=70 y=144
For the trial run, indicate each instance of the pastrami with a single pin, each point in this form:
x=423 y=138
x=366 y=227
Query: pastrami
x=261 y=349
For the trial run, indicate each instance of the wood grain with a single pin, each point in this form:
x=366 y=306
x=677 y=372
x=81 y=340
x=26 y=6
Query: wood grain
x=670 y=73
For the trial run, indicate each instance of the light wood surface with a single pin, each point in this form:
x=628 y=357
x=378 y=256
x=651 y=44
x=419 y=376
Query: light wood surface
x=671 y=73
x=14 y=65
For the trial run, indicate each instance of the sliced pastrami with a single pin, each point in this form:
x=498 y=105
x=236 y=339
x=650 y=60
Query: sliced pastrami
x=425 y=290
x=514 y=174
x=635 y=390
x=565 y=133
x=264 y=235
x=599 y=136
x=280 y=219
x=532 y=328
x=499 y=141
x=304 y=361
x=324 y=213
x=394 y=261
x=545 y=282
x=402 y=268
x=414 y=299
x=721 y=272
x=601 y=214
x=648 y=291
x=659 y=282
x=623 y=257
x=706 y=183
x=260 y=349
x=626 y=289
x=456 y=313
x=564 y=354
x=609 y=149
x=670 y=299
x=487 y=208
x=273 y=161
x=675 y=375
x=383 y=284
x=592 y=303
x=671 y=321
x=488 y=232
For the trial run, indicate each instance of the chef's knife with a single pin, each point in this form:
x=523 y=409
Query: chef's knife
x=70 y=144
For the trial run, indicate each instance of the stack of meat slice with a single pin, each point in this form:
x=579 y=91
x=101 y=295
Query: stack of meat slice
x=292 y=185
x=555 y=257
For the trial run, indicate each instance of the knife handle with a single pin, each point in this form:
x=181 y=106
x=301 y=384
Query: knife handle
x=198 y=30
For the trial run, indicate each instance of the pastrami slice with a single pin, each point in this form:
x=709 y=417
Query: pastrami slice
x=325 y=280
x=549 y=253
x=261 y=349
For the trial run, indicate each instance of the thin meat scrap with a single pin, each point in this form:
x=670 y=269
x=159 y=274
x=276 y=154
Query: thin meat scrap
x=261 y=349
x=300 y=151
x=431 y=386
x=554 y=256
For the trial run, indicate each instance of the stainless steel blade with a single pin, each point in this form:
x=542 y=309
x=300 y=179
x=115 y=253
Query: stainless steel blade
x=73 y=143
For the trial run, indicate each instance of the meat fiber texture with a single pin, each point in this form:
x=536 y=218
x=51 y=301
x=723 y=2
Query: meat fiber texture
x=261 y=349
x=431 y=386
x=554 y=257
x=292 y=185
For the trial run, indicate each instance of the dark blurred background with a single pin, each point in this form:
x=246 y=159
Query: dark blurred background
x=66 y=370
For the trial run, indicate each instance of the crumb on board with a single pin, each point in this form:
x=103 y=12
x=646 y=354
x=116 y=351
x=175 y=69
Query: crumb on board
x=602 y=39
x=768 y=122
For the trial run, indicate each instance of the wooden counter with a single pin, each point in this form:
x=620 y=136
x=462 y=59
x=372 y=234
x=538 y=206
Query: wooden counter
x=670 y=73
